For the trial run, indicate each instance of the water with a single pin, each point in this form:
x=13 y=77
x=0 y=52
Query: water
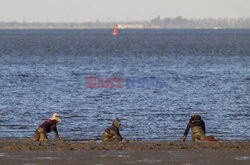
x=201 y=71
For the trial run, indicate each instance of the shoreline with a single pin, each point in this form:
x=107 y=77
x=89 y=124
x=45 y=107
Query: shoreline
x=111 y=28
x=24 y=151
x=26 y=144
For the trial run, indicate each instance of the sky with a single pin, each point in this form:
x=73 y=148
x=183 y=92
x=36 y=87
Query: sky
x=118 y=10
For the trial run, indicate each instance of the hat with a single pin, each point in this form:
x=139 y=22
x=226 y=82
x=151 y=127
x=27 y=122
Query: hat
x=56 y=117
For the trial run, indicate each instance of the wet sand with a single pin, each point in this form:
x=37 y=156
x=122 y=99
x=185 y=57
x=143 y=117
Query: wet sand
x=24 y=151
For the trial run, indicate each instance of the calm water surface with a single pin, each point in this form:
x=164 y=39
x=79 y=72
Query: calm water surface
x=201 y=71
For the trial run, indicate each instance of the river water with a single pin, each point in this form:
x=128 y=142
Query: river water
x=167 y=75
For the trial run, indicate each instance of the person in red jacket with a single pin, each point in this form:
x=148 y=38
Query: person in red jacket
x=47 y=126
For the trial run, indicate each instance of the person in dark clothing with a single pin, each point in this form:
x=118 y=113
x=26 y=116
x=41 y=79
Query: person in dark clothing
x=47 y=126
x=198 y=128
x=112 y=133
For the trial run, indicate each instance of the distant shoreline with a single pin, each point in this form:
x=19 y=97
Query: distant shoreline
x=156 y=23
x=89 y=28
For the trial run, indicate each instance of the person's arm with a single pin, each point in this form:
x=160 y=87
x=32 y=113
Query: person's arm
x=119 y=136
x=57 y=135
x=203 y=126
x=45 y=127
x=115 y=135
x=186 y=131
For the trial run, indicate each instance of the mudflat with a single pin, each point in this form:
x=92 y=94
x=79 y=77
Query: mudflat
x=25 y=151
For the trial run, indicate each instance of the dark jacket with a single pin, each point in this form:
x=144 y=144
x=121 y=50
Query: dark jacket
x=112 y=133
x=195 y=123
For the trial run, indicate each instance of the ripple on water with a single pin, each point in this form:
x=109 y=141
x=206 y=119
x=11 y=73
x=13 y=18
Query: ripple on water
x=41 y=75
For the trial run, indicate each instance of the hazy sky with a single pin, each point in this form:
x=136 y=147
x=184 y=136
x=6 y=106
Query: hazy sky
x=118 y=10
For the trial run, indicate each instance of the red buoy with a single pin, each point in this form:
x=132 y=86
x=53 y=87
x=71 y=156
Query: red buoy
x=115 y=30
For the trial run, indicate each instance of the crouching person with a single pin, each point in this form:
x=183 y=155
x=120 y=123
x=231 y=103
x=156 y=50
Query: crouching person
x=198 y=128
x=47 y=126
x=112 y=133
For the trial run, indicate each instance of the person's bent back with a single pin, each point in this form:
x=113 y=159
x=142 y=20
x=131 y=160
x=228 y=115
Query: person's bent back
x=42 y=131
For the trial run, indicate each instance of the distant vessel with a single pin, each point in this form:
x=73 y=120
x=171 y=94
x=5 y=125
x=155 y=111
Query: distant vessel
x=115 y=30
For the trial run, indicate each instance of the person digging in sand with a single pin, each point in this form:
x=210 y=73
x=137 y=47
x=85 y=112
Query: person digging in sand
x=198 y=128
x=47 y=126
x=112 y=133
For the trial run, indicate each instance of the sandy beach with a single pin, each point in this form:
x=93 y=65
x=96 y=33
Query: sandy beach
x=24 y=151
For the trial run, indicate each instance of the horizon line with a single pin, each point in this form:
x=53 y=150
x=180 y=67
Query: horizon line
x=127 y=21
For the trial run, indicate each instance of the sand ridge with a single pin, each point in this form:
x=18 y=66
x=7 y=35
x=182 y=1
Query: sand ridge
x=26 y=144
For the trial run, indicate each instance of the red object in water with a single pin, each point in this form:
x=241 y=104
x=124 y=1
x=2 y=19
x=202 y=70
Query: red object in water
x=211 y=139
x=115 y=30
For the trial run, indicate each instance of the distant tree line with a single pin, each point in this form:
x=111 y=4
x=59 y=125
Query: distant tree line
x=180 y=22
x=177 y=22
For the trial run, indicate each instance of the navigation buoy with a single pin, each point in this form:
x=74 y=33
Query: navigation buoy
x=115 y=30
